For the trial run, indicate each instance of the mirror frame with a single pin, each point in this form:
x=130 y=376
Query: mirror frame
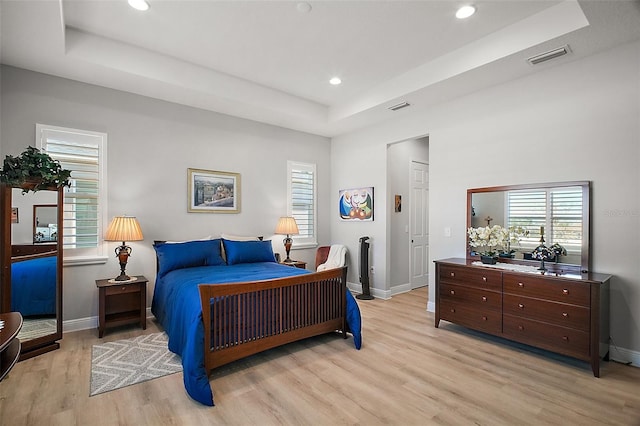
x=585 y=261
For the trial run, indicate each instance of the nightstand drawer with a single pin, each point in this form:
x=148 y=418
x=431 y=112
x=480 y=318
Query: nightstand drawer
x=122 y=288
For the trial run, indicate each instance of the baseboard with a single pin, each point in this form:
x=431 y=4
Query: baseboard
x=431 y=306
x=624 y=356
x=88 y=323
x=377 y=293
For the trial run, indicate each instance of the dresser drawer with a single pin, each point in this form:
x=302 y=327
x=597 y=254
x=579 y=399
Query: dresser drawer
x=482 y=299
x=567 y=341
x=558 y=290
x=475 y=277
x=122 y=288
x=486 y=320
x=562 y=314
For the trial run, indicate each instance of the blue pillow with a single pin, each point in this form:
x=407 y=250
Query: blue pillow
x=248 y=251
x=186 y=255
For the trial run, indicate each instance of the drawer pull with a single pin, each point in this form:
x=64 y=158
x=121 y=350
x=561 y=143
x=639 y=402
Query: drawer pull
x=453 y=310
x=484 y=298
x=484 y=279
x=565 y=291
x=123 y=288
x=520 y=285
x=484 y=318
x=521 y=327
x=453 y=274
x=566 y=315
x=452 y=292
x=520 y=305
x=565 y=338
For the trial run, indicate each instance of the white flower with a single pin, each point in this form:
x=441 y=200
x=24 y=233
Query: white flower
x=490 y=237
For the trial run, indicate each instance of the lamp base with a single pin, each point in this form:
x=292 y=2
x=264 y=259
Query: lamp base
x=122 y=277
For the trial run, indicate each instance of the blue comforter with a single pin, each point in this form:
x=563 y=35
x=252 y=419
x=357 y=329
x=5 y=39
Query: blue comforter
x=33 y=286
x=176 y=304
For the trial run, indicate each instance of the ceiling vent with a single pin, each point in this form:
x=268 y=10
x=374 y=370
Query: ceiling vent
x=399 y=106
x=551 y=54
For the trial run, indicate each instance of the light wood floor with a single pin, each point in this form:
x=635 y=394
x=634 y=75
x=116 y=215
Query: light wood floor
x=407 y=373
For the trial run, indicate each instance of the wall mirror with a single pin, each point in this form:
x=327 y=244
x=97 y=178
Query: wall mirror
x=558 y=211
x=32 y=266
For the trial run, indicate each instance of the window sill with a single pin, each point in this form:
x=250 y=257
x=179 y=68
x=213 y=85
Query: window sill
x=84 y=260
x=301 y=246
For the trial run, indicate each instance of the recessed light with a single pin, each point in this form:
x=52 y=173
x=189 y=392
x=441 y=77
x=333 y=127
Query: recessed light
x=139 y=4
x=335 y=81
x=465 y=11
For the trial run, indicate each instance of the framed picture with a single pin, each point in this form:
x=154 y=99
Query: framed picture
x=356 y=204
x=14 y=215
x=213 y=192
x=398 y=203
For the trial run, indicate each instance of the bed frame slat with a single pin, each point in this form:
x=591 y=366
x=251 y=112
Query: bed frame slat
x=242 y=319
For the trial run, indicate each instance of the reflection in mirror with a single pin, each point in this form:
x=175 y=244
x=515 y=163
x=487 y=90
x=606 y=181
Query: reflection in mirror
x=45 y=223
x=558 y=213
x=34 y=263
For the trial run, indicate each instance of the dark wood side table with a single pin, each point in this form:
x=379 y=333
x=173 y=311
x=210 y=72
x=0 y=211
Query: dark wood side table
x=123 y=302
x=9 y=343
x=295 y=264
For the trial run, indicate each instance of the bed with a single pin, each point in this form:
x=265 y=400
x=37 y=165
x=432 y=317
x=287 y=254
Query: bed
x=221 y=300
x=33 y=284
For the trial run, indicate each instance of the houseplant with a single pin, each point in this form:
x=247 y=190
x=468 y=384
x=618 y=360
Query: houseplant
x=33 y=170
x=488 y=239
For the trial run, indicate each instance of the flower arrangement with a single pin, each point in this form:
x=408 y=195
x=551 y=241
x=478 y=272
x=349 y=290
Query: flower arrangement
x=490 y=237
x=514 y=235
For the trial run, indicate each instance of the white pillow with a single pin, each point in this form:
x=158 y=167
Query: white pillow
x=208 y=237
x=238 y=238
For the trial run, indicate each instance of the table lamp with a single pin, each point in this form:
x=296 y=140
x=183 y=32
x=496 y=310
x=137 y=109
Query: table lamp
x=287 y=226
x=123 y=228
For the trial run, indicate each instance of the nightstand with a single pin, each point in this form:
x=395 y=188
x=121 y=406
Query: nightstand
x=296 y=264
x=123 y=302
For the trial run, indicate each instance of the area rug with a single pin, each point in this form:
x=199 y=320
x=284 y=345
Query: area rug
x=115 y=365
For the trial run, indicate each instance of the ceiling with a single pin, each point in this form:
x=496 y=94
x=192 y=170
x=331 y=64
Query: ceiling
x=271 y=62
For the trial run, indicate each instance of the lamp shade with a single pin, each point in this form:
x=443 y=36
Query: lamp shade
x=287 y=226
x=124 y=228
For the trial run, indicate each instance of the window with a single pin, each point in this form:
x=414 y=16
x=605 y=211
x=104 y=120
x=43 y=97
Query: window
x=301 y=196
x=558 y=210
x=84 y=153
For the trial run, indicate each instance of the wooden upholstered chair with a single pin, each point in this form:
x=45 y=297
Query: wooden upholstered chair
x=322 y=256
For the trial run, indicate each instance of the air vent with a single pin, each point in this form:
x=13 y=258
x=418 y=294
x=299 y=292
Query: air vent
x=547 y=56
x=399 y=106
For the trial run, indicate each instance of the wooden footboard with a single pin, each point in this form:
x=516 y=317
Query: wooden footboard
x=242 y=319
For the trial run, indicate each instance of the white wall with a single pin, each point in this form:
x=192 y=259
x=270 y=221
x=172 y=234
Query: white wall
x=151 y=144
x=573 y=121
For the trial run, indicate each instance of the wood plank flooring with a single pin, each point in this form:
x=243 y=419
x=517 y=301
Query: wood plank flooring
x=407 y=373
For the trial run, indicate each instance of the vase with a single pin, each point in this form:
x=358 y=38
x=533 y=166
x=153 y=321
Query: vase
x=488 y=260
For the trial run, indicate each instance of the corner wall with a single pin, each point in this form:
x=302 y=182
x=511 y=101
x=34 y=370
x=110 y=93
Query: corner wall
x=575 y=120
x=151 y=144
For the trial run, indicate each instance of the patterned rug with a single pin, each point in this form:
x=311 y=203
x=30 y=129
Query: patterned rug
x=122 y=363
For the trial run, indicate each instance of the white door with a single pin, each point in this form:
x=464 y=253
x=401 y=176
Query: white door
x=419 y=274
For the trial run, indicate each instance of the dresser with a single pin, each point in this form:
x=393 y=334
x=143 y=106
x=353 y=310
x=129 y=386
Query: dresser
x=563 y=313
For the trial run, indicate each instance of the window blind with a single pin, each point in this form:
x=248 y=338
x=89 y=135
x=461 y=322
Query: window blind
x=302 y=200
x=82 y=153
